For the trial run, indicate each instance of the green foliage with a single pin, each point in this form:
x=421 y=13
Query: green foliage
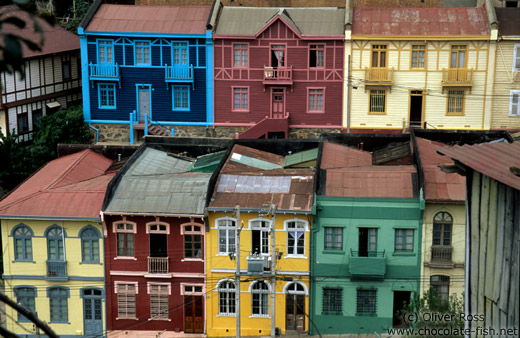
x=13 y=157
x=78 y=11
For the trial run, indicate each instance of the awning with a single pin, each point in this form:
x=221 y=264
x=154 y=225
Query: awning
x=53 y=104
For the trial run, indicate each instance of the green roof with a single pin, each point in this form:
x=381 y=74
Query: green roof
x=301 y=157
x=254 y=162
x=207 y=163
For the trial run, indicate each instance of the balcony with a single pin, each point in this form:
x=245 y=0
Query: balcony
x=105 y=72
x=378 y=77
x=441 y=257
x=457 y=77
x=278 y=75
x=372 y=266
x=57 y=269
x=158 y=265
x=258 y=265
x=179 y=74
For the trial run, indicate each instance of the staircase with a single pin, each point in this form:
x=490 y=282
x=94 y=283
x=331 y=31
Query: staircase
x=157 y=130
x=268 y=127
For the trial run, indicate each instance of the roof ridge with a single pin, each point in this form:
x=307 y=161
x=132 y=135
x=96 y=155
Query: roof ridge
x=68 y=170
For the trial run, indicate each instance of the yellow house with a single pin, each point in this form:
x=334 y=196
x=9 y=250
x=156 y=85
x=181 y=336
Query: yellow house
x=53 y=246
x=258 y=192
x=506 y=89
x=418 y=67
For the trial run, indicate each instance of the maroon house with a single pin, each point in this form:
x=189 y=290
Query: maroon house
x=278 y=68
x=154 y=245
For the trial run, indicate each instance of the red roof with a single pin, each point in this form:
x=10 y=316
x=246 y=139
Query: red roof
x=491 y=159
x=70 y=186
x=338 y=156
x=55 y=38
x=150 y=19
x=420 y=21
x=438 y=185
x=371 y=181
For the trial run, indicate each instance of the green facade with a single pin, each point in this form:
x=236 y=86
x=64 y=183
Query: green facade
x=372 y=274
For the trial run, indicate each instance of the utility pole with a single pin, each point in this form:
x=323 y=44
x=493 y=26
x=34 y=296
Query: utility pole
x=236 y=214
x=349 y=93
x=272 y=211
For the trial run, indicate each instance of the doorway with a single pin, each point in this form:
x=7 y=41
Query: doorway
x=416 y=109
x=193 y=314
x=278 y=102
x=143 y=100
x=92 y=312
x=401 y=302
x=295 y=307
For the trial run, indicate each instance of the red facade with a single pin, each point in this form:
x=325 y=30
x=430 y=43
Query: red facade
x=282 y=73
x=154 y=273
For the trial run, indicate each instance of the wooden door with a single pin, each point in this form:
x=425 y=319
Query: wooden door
x=278 y=103
x=144 y=102
x=295 y=312
x=193 y=314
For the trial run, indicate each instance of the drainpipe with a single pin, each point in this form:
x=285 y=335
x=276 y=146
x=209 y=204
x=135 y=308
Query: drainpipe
x=96 y=130
x=132 y=127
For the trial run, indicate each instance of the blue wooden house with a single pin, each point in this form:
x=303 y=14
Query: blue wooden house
x=146 y=69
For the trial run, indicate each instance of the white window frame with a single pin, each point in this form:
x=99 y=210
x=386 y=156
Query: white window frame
x=231 y=293
x=132 y=231
x=136 y=286
x=145 y=48
x=192 y=292
x=149 y=291
x=512 y=94
x=226 y=228
x=261 y=293
x=290 y=253
x=516 y=57
x=254 y=225
x=185 y=232
x=156 y=222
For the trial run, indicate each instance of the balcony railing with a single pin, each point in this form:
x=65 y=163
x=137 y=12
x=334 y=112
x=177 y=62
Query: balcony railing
x=379 y=76
x=56 y=269
x=109 y=71
x=457 y=77
x=179 y=73
x=442 y=254
x=278 y=75
x=158 y=264
x=370 y=264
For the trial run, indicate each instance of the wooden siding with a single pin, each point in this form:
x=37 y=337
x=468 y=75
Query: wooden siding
x=505 y=80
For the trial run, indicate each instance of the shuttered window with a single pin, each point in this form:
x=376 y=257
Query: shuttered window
x=126 y=300
x=332 y=301
x=158 y=301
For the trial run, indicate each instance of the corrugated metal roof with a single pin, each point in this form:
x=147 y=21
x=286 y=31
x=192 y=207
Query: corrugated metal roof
x=420 y=21
x=253 y=159
x=508 y=21
x=338 y=156
x=438 y=185
x=150 y=19
x=207 y=163
x=70 y=186
x=491 y=159
x=371 y=181
x=301 y=157
x=55 y=38
x=158 y=183
x=308 y=21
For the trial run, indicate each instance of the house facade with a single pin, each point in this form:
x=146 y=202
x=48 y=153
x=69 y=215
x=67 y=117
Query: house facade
x=51 y=79
x=147 y=69
x=278 y=72
x=53 y=246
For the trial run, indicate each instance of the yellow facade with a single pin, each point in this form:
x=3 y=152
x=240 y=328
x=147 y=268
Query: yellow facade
x=219 y=268
x=454 y=270
x=506 y=83
x=34 y=273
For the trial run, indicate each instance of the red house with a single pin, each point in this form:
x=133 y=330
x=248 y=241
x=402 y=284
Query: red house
x=153 y=218
x=278 y=69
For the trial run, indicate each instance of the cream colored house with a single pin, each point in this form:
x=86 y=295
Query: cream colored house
x=418 y=67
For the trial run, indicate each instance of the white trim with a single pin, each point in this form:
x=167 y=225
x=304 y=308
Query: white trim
x=267 y=230
x=258 y=281
x=124 y=221
x=305 y=239
x=130 y=258
x=127 y=273
x=158 y=222
x=117 y=282
x=227 y=228
x=286 y=286
x=192 y=232
x=192 y=260
x=165 y=275
x=516 y=54
x=149 y=284
x=512 y=94
x=193 y=293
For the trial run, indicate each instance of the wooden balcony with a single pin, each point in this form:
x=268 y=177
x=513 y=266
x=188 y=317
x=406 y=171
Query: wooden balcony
x=179 y=74
x=106 y=72
x=57 y=269
x=373 y=265
x=158 y=265
x=441 y=257
x=278 y=76
x=378 y=77
x=457 y=77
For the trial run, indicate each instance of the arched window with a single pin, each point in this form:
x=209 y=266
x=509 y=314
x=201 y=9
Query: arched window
x=90 y=245
x=260 y=297
x=192 y=233
x=125 y=237
x=296 y=237
x=226 y=296
x=226 y=235
x=22 y=243
x=295 y=288
x=442 y=229
x=55 y=244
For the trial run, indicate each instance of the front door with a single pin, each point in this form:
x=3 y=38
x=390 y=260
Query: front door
x=193 y=314
x=92 y=312
x=144 y=102
x=416 y=109
x=401 y=302
x=278 y=102
x=295 y=307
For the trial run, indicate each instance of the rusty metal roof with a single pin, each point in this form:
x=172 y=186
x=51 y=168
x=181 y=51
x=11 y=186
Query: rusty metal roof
x=338 y=156
x=438 y=185
x=150 y=19
x=372 y=181
x=71 y=186
x=420 y=21
x=508 y=21
x=491 y=159
x=247 y=159
x=55 y=38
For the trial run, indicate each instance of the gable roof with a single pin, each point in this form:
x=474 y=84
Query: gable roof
x=339 y=156
x=71 y=186
x=305 y=21
x=150 y=19
x=420 y=21
x=508 y=21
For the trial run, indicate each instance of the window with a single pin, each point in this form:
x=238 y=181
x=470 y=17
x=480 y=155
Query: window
x=442 y=225
x=316 y=56
x=379 y=56
x=142 y=53
x=159 y=301
x=366 y=302
x=404 y=240
x=260 y=295
x=36 y=116
x=455 y=102
x=441 y=286
x=55 y=244
x=377 y=102
x=25 y=297
x=514 y=106
x=316 y=101
x=226 y=235
x=516 y=58
x=260 y=237
x=240 y=55
x=277 y=56
x=226 y=296
x=333 y=238
x=90 y=245
x=296 y=237
x=23 y=122
x=367 y=242
x=105 y=51
x=180 y=53
x=332 y=301
x=22 y=243
x=126 y=300
x=181 y=97
x=458 y=56
x=107 y=95
x=192 y=241
x=418 y=54
x=58 y=304
x=125 y=238
x=240 y=99
x=66 y=70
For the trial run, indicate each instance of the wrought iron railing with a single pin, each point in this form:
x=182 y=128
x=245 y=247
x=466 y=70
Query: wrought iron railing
x=56 y=269
x=441 y=254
